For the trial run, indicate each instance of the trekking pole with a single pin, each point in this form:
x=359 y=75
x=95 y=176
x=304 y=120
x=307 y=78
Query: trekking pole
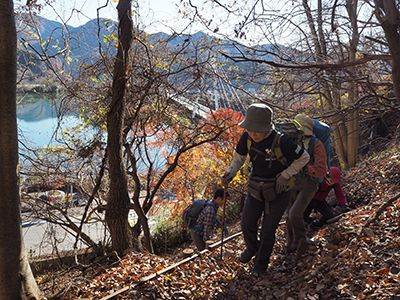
x=223 y=222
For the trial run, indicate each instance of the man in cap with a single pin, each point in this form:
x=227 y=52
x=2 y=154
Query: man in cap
x=331 y=181
x=257 y=142
x=304 y=190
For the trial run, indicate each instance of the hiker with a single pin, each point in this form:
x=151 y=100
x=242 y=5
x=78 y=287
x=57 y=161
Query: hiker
x=332 y=180
x=207 y=219
x=268 y=189
x=304 y=191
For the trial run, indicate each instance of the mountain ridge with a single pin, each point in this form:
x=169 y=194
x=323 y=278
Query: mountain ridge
x=80 y=45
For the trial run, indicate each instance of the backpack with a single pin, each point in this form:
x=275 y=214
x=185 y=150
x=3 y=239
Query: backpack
x=323 y=132
x=192 y=212
x=292 y=129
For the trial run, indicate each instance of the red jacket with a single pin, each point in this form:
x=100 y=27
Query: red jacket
x=324 y=190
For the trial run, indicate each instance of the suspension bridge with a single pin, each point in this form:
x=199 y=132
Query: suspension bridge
x=216 y=91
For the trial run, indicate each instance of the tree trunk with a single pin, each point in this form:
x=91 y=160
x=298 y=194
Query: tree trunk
x=142 y=219
x=353 y=120
x=388 y=16
x=331 y=91
x=352 y=139
x=16 y=278
x=142 y=223
x=118 y=199
x=345 y=134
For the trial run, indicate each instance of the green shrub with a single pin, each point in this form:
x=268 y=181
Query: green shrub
x=169 y=234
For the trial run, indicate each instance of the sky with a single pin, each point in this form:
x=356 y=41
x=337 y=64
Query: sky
x=158 y=14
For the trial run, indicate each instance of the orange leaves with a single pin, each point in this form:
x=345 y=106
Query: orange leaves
x=383 y=271
x=132 y=269
x=159 y=268
x=346 y=253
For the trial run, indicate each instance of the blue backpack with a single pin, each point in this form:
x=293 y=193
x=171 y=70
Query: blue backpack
x=192 y=212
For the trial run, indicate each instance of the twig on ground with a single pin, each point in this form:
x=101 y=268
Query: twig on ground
x=381 y=209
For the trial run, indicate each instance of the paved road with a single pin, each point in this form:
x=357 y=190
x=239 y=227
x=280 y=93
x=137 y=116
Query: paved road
x=39 y=240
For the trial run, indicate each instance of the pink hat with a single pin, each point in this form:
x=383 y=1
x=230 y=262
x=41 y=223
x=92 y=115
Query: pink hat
x=334 y=173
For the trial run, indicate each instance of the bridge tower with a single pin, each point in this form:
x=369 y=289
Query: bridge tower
x=225 y=95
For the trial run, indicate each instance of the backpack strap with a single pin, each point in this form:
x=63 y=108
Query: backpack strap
x=278 y=150
x=277 y=138
x=295 y=179
x=310 y=150
x=211 y=203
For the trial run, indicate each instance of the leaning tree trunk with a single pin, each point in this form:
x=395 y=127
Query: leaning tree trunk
x=16 y=278
x=118 y=199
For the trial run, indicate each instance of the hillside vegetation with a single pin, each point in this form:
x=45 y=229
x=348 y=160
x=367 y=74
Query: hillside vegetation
x=355 y=257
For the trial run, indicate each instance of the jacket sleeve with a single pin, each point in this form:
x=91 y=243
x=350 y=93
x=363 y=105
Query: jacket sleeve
x=296 y=165
x=319 y=168
x=236 y=163
x=339 y=195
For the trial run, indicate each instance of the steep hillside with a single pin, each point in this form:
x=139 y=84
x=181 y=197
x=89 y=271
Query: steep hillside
x=357 y=256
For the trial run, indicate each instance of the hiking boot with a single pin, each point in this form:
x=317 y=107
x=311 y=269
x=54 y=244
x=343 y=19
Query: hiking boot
x=245 y=256
x=302 y=247
x=257 y=272
x=293 y=246
x=316 y=225
x=287 y=249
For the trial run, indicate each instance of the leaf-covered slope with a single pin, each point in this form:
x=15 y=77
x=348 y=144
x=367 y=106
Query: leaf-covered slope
x=352 y=258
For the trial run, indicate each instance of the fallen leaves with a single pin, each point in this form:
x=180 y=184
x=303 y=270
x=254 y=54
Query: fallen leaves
x=347 y=260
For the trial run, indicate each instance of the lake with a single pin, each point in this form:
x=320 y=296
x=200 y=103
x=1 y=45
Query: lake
x=37 y=119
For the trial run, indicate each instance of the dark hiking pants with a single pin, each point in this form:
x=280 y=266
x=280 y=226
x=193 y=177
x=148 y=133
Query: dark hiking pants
x=321 y=206
x=252 y=211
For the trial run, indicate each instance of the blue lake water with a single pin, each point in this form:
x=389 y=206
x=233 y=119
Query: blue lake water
x=37 y=119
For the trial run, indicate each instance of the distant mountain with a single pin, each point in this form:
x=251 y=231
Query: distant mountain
x=85 y=41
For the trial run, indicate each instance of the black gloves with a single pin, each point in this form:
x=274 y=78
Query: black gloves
x=280 y=184
x=225 y=179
